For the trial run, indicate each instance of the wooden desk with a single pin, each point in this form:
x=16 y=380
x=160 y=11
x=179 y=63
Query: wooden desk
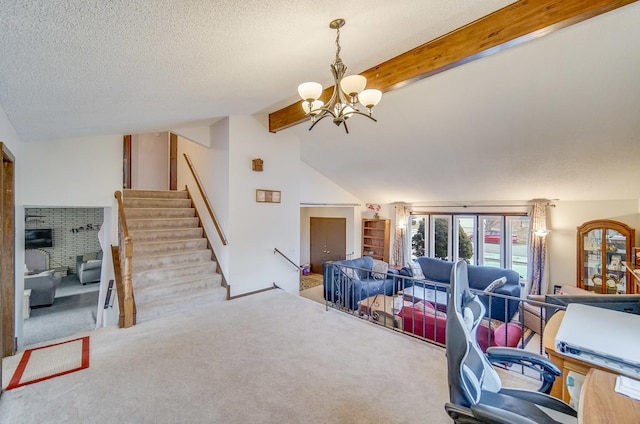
x=600 y=404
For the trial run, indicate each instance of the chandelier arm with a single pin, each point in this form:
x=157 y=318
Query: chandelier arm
x=357 y=112
x=324 y=115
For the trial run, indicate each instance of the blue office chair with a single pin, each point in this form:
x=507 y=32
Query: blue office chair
x=475 y=392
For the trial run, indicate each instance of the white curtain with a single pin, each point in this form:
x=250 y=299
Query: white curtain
x=400 y=242
x=537 y=275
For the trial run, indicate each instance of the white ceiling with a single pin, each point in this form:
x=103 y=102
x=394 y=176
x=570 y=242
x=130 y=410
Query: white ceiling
x=556 y=117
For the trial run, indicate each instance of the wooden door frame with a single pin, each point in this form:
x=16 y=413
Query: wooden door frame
x=126 y=161
x=7 y=263
x=173 y=161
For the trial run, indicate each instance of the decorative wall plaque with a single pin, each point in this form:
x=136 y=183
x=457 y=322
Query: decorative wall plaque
x=268 y=196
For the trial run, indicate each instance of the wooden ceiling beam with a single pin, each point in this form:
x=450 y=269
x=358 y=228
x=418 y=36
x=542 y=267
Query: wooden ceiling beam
x=509 y=26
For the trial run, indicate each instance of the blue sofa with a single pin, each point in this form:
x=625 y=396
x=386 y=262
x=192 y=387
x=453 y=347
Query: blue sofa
x=345 y=291
x=439 y=271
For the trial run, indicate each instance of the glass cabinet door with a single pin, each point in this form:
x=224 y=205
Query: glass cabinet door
x=603 y=248
x=615 y=252
x=592 y=272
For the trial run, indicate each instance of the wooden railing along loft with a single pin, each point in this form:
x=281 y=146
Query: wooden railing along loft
x=205 y=198
x=125 y=262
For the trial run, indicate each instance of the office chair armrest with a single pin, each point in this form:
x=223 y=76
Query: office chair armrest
x=491 y=414
x=543 y=366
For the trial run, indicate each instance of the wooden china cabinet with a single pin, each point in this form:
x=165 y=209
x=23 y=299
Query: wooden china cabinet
x=603 y=247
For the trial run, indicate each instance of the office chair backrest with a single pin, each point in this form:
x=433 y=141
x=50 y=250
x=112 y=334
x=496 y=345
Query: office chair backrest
x=469 y=370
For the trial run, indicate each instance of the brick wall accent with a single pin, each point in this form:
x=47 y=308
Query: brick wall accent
x=75 y=232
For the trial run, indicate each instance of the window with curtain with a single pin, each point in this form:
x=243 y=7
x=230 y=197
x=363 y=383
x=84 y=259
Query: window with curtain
x=498 y=240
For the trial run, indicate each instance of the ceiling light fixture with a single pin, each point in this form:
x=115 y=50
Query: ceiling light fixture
x=347 y=92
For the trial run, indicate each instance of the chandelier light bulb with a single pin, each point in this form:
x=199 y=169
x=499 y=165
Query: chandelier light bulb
x=353 y=85
x=369 y=98
x=316 y=105
x=310 y=91
x=347 y=111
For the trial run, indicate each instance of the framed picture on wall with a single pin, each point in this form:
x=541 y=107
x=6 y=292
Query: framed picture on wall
x=268 y=196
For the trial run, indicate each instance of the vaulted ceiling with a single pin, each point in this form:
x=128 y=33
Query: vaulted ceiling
x=554 y=117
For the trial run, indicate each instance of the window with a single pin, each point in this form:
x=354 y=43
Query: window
x=481 y=239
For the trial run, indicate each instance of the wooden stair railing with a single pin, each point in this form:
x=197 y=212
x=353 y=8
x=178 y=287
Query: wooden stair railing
x=205 y=198
x=125 y=257
x=117 y=271
x=207 y=203
x=276 y=250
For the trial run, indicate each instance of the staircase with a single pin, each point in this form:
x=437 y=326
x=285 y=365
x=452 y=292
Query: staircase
x=173 y=270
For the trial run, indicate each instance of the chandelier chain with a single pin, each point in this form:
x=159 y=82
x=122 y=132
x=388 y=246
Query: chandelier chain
x=338 y=45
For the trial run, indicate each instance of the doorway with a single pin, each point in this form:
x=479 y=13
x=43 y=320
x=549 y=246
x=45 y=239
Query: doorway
x=64 y=272
x=150 y=161
x=328 y=241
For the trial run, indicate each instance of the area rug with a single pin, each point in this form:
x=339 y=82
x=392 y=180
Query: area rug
x=43 y=363
x=310 y=280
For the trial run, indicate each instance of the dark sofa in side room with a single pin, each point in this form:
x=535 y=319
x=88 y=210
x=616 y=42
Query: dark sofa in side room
x=439 y=271
x=347 y=290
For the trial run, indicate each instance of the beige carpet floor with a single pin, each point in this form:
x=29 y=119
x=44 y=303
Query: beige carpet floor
x=268 y=358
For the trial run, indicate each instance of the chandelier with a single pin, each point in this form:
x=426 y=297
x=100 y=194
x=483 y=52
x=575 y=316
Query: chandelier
x=347 y=92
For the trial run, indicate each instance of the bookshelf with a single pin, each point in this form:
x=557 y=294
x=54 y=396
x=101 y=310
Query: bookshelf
x=375 y=238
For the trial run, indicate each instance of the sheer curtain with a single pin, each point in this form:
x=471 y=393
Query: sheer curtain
x=400 y=241
x=537 y=275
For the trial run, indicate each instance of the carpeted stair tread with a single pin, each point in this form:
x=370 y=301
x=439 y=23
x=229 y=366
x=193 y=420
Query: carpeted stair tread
x=152 y=276
x=162 y=194
x=170 y=259
x=155 y=213
x=182 y=303
x=158 y=235
x=174 y=287
x=152 y=224
x=155 y=203
x=168 y=246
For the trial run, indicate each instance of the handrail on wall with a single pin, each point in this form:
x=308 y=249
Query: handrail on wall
x=126 y=257
x=275 y=250
x=207 y=203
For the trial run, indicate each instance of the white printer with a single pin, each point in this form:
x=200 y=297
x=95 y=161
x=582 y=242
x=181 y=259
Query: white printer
x=604 y=337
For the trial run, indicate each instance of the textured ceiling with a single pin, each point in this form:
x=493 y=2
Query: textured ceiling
x=556 y=117
x=76 y=67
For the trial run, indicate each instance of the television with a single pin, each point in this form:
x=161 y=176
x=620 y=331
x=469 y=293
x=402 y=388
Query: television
x=35 y=238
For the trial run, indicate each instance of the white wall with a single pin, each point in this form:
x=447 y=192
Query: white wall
x=211 y=164
x=257 y=228
x=317 y=189
x=83 y=171
x=564 y=220
x=252 y=229
x=200 y=135
x=150 y=161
